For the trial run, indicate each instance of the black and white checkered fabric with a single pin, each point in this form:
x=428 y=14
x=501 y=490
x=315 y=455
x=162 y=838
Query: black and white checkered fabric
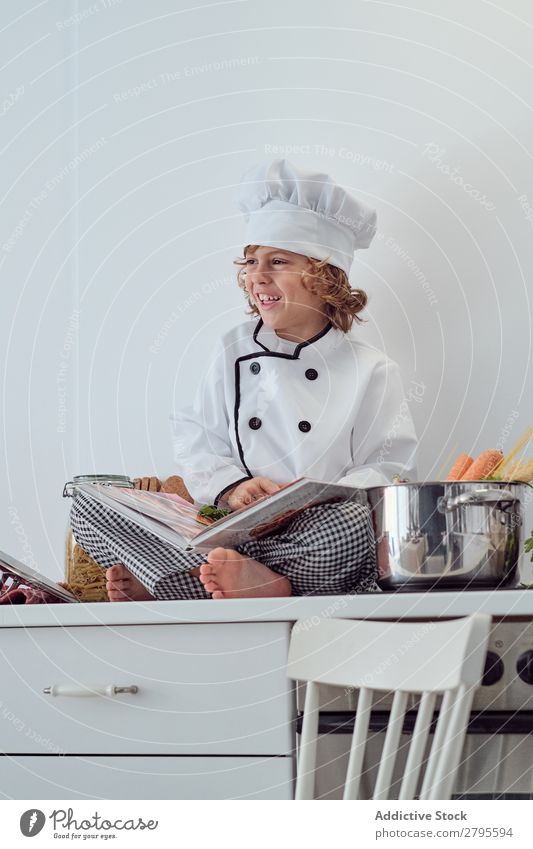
x=328 y=549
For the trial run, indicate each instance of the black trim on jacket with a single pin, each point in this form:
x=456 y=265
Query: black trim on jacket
x=254 y=356
x=230 y=486
x=300 y=345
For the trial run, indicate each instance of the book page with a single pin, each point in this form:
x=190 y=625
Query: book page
x=10 y=567
x=176 y=513
x=273 y=513
x=176 y=523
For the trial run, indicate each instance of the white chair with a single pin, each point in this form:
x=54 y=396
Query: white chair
x=424 y=658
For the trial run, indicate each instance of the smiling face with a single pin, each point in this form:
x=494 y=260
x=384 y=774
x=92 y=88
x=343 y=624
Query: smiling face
x=273 y=281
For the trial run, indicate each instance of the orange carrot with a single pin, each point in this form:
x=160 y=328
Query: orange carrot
x=483 y=465
x=463 y=462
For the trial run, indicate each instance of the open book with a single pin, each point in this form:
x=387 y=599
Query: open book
x=175 y=521
x=14 y=574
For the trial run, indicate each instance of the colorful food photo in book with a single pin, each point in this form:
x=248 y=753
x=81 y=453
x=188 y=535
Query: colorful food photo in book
x=19 y=584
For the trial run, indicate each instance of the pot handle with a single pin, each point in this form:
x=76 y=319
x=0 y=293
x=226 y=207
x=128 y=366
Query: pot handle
x=476 y=497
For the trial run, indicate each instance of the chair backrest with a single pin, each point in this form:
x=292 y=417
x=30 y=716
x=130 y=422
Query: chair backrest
x=425 y=658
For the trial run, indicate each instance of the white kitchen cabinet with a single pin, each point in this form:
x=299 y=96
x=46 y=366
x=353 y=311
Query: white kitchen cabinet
x=209 y=714
x=214 y=713
x=30 y=777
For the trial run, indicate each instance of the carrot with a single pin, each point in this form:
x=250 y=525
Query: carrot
x=483 y=465
x=463 y=462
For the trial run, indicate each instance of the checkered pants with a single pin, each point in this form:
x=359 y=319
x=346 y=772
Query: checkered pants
x=326 y=550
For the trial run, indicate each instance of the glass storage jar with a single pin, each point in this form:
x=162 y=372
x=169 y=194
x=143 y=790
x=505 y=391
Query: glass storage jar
x=83 y=575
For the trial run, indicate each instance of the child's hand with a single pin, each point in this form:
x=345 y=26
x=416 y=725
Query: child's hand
x=148 y=484
x=247 y=492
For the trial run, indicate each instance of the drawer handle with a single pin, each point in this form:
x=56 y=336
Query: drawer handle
x=70 y=690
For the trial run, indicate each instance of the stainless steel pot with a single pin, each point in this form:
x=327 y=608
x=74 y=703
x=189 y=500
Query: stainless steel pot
x=448 y=534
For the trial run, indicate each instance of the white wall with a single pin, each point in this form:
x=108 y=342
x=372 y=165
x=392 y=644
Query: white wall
x=121 y=277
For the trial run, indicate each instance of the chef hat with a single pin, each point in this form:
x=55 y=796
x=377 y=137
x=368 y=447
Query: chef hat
x=305 y=212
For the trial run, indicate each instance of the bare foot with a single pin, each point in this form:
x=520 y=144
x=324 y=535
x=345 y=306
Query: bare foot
x=121 y=585
x=228 y=574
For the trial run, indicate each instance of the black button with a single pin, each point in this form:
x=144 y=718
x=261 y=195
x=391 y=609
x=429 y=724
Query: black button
x=255 y=423
x=311 y=374
x=305 y=427
x=255 y=368
x=494 y=669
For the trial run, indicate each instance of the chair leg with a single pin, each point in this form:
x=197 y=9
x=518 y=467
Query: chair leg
x=305 y=779
x=447 y=767
x=417 y=746
x=390 y=746
x=438 y=743
x=357 y=751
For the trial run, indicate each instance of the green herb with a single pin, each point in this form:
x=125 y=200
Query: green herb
x=529 y=545
x=212 y=512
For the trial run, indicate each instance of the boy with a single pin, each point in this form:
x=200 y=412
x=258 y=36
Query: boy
x=295 y=393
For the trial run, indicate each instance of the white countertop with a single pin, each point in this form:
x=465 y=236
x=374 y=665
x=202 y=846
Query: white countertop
x=498 y=603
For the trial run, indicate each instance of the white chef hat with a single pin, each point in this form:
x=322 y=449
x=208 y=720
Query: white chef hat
x=305 y=212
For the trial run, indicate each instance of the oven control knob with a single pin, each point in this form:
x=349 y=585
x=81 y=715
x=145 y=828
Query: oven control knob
x=524 y=666
x=493 y=669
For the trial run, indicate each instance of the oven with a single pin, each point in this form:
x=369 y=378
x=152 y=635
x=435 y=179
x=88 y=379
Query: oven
x=497 y=758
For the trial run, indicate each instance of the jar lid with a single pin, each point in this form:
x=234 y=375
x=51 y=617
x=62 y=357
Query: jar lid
x=113 y=479
x=109 y=480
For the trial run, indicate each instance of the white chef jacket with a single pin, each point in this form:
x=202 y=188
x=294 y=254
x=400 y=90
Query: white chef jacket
x=331 y=408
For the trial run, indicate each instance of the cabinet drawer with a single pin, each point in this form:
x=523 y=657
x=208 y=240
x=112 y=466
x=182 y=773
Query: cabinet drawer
x=202 y=689
x=30 y=777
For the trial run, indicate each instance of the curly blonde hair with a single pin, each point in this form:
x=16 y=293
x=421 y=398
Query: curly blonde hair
x=342 y=303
